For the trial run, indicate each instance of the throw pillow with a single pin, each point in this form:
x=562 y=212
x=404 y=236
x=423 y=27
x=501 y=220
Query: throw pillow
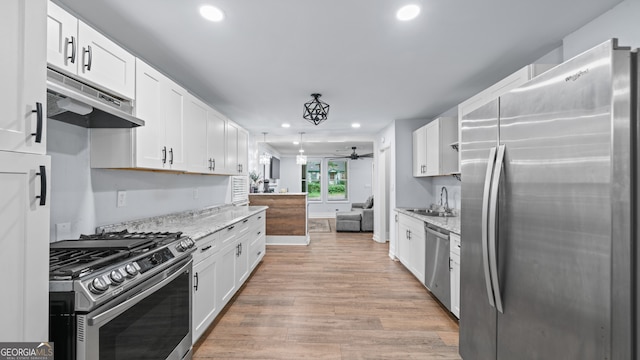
x=369 y=203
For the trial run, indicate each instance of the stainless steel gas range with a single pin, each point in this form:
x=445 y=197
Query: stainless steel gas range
x=121 y=296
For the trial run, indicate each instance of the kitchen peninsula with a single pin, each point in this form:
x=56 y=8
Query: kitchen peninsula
x=286 y=217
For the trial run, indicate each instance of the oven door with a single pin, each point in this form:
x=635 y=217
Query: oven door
x=153 y=323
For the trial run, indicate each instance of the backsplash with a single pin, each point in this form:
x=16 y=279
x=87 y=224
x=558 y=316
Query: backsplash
x=453 y=188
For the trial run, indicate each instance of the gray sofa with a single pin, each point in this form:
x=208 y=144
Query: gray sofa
x=360 y=218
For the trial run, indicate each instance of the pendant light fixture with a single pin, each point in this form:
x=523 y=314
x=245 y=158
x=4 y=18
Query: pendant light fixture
x=315 y=111
x=265 y=159
x=301 y=159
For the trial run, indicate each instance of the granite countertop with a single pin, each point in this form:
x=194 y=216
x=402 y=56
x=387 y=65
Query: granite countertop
x=448 y=223
x=194 y=223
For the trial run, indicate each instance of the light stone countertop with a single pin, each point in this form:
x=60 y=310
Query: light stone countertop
x=193 y=223
x=448 y=223
x=277 y=193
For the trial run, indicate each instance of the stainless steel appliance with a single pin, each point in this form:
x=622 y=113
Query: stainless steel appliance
x=548 y=221
x=121 y=296
x=77 y=103
x=437 y=274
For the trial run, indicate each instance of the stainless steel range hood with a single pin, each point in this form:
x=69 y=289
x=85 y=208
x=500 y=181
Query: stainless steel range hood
x=76 y=103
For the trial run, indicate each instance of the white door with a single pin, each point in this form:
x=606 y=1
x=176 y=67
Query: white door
x=216 y=142
x=151 y=150
x=226 y=279
x=104 y=63
x=173 y=100
x=205 y=307
x=433 y=148
x=62 y=39
x=24 y=259
x=195 y=129
x=23 y=67
x=243 y=151
x=232 y=149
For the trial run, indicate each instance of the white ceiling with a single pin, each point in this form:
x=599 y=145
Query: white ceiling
x=262 y=62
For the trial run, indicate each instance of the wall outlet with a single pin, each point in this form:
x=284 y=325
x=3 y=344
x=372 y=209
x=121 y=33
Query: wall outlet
x=195 y=193
x=63 y=231
x=122 y=198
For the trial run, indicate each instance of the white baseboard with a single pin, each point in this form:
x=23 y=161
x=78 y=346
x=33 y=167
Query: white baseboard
x=322 y=215
x=288 y=240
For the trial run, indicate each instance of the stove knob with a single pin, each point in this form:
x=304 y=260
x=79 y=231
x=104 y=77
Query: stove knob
x=190 y=242
x=182 y=246
x=156 y=259
x=98 y=286
x=116 y=276
x=131 y=270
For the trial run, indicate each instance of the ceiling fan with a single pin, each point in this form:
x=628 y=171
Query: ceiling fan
x=355 y=156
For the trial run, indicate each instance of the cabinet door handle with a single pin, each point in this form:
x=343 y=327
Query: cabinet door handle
x=237 y=250
x=164 y=155
x=89 y=53
x=259 y=252
x=72 y=42
x=205 y=248
x=43 y=185
x=214 y=165
x=195 y=286
x=38 y=133
x=240 y=248
x=171 y=159
x=210 y=164
x=259 y=232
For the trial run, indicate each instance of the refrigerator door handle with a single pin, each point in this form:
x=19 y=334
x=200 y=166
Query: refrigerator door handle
x=493 y=243
x=485 y=224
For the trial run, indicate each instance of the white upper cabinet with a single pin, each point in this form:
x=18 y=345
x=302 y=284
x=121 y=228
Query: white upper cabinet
x=243 y=151
x=232 y=164
x=205 y=129
x=432 y=151
x=420 y=152
x=77 y=49
x=23 y=68
x=160 y=143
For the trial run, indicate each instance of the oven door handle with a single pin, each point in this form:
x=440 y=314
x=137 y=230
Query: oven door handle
x=168 y=276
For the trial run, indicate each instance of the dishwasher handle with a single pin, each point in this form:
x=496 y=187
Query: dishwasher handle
x=435 y=232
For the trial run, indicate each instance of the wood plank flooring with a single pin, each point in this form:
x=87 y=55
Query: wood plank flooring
x=341 y=297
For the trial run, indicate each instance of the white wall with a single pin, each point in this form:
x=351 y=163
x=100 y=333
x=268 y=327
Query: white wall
x=290 y=174
x=410 y=191
x=621 y=22
x=86 y=198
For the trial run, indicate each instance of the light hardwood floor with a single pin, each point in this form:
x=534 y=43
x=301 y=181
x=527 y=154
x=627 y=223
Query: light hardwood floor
x=341 y=297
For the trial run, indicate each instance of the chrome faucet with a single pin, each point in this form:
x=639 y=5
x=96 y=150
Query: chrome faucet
x=446 y=203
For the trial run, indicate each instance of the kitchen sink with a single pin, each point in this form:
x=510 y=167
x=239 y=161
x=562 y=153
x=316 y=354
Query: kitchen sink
x=429 y=212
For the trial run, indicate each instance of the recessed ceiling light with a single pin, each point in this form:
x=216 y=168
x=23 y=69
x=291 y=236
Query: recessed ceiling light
x=285 y=125
x=355 y=125
x=408 y=12
x=296 y=142
x=211 y=13
x=301 y=151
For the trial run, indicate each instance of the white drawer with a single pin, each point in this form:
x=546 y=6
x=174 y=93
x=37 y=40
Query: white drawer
x=206 y=247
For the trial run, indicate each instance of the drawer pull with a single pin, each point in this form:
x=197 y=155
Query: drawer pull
x=259 y=252
x=230 y=228
x=245 y=220
x=205 y=248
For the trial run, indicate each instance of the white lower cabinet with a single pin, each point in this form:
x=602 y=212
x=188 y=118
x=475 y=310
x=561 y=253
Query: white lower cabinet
x=222 y=263
x=24 y=240
x=412 y=245
x=454 y=250
x=205 y=304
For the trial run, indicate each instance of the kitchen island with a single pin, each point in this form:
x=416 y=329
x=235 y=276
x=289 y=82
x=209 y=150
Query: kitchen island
x=286 y=217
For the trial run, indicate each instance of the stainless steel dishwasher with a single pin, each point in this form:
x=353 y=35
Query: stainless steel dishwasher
x=437 y=276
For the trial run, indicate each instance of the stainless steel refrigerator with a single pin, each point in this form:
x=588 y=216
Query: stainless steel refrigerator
x=548 y=215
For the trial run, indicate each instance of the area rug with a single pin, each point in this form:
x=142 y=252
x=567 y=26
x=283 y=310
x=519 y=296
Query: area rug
x=319 y=226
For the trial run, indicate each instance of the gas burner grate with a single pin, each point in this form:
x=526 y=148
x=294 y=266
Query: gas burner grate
x=124 y=234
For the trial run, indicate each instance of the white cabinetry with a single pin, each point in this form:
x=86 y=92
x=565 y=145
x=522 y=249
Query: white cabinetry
x=76 y=48
x=159 y=144
x=237 y=150
x=454 y=251
x=432 y=152
x=24 y=170
x=24 y=225
x=205 y=267
x=222 y=264
x=420 y=152
x=23 y=68
x=205 y=129
x=412 y=245
x=498 y=89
